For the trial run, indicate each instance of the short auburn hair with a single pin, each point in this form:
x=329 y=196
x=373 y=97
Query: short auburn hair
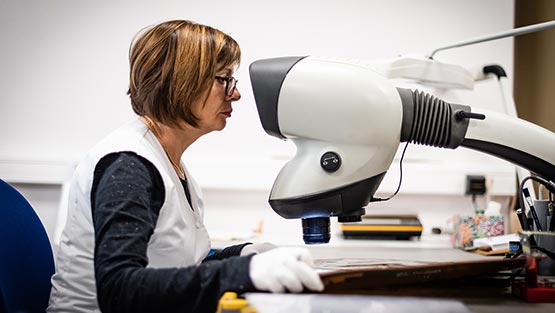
x=173 y=64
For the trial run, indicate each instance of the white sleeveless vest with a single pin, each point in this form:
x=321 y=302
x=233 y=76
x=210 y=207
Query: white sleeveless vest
x=179 y=239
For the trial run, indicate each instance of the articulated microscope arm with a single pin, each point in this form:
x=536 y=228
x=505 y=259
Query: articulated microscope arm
x=431 y=121
x=347 y=122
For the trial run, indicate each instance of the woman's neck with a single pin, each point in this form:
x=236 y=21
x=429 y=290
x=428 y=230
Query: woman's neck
x=173 y=139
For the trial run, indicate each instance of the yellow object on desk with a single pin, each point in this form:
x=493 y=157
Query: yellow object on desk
x=385 y=226
x=230 y=303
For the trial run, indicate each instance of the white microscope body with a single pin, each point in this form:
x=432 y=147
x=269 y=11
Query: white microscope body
x=335 y=119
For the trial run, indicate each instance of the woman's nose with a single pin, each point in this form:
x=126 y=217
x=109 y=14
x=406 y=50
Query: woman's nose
x=236 y=95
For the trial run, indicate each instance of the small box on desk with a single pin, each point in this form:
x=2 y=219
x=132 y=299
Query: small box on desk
x=401 y=227
x=467 y=228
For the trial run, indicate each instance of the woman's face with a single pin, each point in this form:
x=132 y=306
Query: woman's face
x=213 y=113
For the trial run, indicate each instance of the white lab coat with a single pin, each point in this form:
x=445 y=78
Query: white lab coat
x=179 y=239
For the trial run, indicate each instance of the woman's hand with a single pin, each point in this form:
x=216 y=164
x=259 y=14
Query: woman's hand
x=284 y=269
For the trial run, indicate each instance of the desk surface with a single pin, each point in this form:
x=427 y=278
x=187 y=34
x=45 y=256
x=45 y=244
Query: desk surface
x=286 y=303
x=425 y=251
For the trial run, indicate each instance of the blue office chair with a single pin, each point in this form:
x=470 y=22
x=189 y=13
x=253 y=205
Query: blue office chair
x=26 y=260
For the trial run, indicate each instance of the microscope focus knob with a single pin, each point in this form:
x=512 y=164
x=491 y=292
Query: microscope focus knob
x=330 y=161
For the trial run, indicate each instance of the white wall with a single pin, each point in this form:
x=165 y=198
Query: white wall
x=64 y=78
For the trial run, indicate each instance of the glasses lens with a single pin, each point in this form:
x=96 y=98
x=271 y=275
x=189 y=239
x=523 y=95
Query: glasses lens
x=231 y=83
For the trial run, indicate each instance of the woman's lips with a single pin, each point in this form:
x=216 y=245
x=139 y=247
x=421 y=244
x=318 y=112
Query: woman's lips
x=227 y=113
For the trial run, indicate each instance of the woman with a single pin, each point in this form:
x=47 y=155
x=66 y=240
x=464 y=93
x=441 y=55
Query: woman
x=135 y=239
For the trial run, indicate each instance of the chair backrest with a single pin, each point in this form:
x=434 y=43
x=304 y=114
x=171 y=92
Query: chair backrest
x=26 y=260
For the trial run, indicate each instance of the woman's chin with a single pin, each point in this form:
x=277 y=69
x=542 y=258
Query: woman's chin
x=220 y=126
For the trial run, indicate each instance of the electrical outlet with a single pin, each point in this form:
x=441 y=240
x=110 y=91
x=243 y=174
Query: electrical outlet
x=475 y=185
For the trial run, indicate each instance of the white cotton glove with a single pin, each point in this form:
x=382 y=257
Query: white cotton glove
x=284 y=269
x=257 y=248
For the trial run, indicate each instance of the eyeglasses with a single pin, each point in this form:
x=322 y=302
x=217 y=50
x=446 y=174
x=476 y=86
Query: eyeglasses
x=230 y=84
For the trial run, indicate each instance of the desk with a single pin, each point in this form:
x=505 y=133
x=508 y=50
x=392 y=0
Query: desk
x=478 y=299
x=430 y=248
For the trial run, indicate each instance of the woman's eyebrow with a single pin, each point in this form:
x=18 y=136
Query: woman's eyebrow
x=225 y=71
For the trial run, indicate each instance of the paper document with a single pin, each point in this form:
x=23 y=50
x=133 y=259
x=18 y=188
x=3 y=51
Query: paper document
x=495 y=243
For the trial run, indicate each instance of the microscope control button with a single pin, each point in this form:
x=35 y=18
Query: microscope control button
x=330 y=161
